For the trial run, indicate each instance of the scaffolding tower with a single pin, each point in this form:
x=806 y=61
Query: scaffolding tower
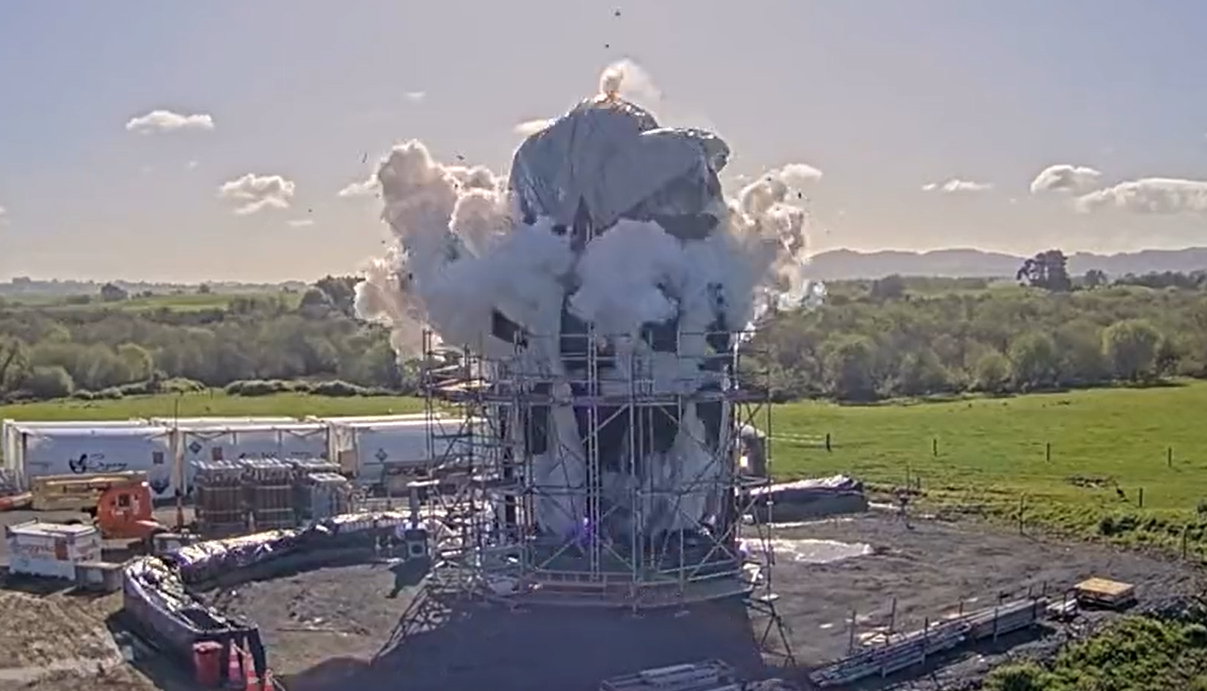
x=488 y=417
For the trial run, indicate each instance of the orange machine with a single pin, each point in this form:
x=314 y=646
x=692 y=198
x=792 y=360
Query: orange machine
x=125 y=512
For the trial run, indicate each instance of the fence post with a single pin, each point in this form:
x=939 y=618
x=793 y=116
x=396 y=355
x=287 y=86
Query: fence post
x=1141 y=498
x=851 y=636
x=1169 y=457
x=1185 y=530
x=1022 y=498
x=1048 y=451
x=925 y=637
x=828 y=447
x=892 y=618
x=934 y=446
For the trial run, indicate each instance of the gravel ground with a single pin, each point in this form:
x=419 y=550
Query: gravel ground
x=345 y=616
x=335 y=629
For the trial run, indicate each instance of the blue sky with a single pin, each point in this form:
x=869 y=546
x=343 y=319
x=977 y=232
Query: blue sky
x=883 y=96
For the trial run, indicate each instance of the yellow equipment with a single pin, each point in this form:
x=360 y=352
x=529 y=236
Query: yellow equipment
x=79 y=492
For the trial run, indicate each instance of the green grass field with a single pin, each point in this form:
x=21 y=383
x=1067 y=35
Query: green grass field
x=184 y=302
x=215 y=404
x=991 y=451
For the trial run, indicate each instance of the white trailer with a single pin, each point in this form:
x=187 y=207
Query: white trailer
x=369 y=419
x=50 y=550
x=10 y=433
x=203 y=442
x=220 y=421
x=99 y=449
x=364 y=448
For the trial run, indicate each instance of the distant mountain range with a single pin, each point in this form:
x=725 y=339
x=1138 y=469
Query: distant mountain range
x=825 y=266
x=959 y=263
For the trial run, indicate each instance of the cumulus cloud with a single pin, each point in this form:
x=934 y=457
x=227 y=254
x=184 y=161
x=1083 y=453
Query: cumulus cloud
x=3 y=216
x=530 y=127
x=363 y=188
x=252 y=193
x=1149 y=196
x=160 y=121
x=957 y=186
x=416 y=96
x=301 y=222
x=1064 y=177
x=192 y=165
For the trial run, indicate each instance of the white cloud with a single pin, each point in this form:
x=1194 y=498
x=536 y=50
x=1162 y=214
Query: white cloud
x=254 y=193
x=957 y=186
x=3 y=216
x=531 y=127
x=192 y=165
x=158 y=121
x=416 y=96
x=799 y=174
x=1149 y=196
x=1064 y=177
x=363 y=188
x=301 y=222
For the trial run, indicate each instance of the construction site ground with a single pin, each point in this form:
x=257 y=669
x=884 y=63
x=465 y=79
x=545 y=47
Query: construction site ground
x=335 y=628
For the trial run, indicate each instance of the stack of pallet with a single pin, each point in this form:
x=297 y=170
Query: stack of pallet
x=325 y=495
x=319 y=490
x=1103 y=592
x=268 y=488
x=913 y=648
x=220 y=502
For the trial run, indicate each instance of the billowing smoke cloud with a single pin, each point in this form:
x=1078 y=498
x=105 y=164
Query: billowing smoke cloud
x=611 y=221
x=531 y=127
x=1065 y=178
x=459 y=253
x=1149 y=196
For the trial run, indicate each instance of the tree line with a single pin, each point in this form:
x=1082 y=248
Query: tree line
x=107 y=349
x=912 y=337
x=872 y=339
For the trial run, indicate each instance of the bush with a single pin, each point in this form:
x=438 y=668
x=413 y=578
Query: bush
x=181 y=385
x=339 y=389
x=260 y=387
x=50 y=381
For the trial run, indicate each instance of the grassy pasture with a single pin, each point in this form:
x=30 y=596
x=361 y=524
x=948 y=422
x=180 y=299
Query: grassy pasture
x=991 y=452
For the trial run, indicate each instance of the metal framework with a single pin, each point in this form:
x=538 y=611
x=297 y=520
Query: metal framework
x=483 y=488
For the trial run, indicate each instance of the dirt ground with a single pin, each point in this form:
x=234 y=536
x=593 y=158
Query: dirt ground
x=347 y=616
x=334 y=629
x=54 y=639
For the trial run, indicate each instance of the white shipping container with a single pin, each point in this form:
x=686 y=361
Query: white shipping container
x=219 y=422
x=10 y=433
x=82 y=450
x=300 y=440
x=49 y=549
x=363 y=448
x=370 y=419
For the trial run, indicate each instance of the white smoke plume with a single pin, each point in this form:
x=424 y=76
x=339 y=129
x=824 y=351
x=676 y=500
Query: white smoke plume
x=460 y=252
x=464 y=253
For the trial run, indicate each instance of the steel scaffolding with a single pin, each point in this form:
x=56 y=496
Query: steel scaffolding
x=488 y=416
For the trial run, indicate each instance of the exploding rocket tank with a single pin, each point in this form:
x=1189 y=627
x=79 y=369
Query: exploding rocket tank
x=633 y=405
